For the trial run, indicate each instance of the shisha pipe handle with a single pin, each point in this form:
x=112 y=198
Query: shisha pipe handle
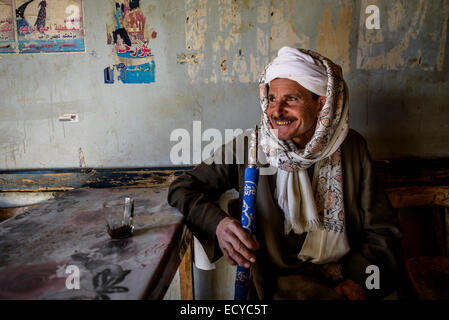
x=248 y=215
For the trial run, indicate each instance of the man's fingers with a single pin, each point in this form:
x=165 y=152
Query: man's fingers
x=233 y=257
x=238 y=257
x=243 y=236
x=227 y=257
x=255 y=240
x=235 y=243
x=239 y=247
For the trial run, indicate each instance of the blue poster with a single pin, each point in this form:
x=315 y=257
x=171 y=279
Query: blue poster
x=129 y=37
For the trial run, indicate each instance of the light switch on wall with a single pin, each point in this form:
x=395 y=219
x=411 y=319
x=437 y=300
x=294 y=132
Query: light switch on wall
x=69 y=117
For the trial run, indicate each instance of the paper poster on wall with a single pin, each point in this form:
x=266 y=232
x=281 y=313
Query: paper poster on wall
x=7 y=35
x=129 y=35
x=50 y=26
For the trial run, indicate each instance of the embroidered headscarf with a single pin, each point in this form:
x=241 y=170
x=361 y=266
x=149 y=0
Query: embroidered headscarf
x=317 y=208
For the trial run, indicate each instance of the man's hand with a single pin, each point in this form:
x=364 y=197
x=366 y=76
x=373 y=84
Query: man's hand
x=351 y=290
x=237 y=245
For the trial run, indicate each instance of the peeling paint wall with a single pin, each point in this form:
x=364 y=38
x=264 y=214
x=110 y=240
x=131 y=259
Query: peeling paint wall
x=333 y=41
x=209 y=55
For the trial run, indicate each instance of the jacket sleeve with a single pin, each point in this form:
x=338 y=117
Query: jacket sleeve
x=378 y=242
x=195 y=194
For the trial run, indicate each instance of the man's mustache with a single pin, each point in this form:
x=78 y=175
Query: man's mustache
x=282 y=119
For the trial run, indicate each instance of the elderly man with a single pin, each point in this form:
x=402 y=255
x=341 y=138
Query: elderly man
x=322 y=218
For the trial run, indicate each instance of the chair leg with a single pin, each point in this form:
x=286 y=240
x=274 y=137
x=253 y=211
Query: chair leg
x=186 y=275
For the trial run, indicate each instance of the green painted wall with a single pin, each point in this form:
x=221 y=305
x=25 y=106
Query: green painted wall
x=208 y=56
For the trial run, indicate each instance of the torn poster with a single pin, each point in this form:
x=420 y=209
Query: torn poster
x=50 y=26
x=129 y=35
x=7 y=35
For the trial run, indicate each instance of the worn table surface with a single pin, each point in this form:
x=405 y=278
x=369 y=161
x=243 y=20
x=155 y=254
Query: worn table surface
x=37 y=246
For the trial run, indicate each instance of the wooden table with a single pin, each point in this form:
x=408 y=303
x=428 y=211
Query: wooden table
x=38 y=245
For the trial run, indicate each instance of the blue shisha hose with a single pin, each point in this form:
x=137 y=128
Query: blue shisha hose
x=248 y=216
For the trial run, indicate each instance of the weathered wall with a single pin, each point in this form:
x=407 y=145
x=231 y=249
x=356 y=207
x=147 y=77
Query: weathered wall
x=208 y=56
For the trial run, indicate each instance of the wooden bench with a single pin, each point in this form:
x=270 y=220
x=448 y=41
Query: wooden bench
x=428 y=275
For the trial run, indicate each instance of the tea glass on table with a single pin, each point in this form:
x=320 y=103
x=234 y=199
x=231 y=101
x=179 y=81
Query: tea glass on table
x=119 y=217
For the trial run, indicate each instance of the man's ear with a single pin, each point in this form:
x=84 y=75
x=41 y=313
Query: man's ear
x=321 y=102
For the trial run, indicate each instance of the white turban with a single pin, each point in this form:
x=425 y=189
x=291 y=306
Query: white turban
x=300 y=67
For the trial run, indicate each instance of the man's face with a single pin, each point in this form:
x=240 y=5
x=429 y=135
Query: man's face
x=292 y=110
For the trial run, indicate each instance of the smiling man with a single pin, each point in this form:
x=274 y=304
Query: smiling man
x=293 y=110
x=322 y=218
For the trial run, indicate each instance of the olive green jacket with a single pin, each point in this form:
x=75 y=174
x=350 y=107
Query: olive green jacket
x=371 y=227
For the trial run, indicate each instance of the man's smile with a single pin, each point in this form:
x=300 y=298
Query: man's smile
x=282 y=122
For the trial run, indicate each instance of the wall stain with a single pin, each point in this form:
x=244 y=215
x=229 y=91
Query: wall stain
x=391 y=59
x=395 y=15
x=282 y=27
x=189 y=58
x=334 y=42
x=81 y=158
x=222 y=65
x=195 y=32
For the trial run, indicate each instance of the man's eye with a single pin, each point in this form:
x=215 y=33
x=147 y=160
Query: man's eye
x=291 y=98
x=271 y=99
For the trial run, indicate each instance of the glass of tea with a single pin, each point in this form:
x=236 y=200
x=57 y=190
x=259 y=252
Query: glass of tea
x=119 y=217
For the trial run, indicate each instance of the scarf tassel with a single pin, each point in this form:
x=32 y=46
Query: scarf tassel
x=310 y=225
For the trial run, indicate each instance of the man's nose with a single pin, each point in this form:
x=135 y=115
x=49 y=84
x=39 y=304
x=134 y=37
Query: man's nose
x=279 y=108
